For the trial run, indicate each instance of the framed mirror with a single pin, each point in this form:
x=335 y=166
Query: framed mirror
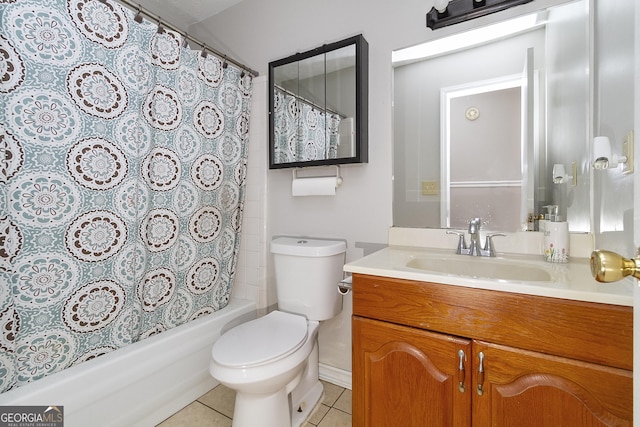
x=318 y=106
x=459 y=154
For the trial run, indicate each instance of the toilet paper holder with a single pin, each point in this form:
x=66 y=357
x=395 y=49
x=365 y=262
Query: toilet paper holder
x=338 y=177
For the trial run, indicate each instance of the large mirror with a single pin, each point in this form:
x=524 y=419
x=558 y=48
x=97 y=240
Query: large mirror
x=318 y=106
x=478 y=128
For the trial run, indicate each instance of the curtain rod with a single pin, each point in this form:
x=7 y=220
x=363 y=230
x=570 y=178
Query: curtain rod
x=161 y=23
x=311 y=103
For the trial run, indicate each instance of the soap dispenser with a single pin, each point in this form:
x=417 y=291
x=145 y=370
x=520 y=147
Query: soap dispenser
x=556 y=237
x=542 y=224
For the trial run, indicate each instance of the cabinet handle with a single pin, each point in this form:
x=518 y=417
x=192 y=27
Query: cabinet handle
x=481 y=374
x=462 y=357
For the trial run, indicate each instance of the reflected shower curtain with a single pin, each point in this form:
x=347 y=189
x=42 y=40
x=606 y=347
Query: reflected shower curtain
x=302 y=131
x=122 y=182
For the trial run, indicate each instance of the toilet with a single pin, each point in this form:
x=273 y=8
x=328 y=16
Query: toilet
x=272 y=362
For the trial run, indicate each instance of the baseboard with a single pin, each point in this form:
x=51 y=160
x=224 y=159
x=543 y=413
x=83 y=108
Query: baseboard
x=335 y=376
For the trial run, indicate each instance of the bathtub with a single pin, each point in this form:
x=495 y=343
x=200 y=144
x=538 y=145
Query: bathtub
x=138 y=385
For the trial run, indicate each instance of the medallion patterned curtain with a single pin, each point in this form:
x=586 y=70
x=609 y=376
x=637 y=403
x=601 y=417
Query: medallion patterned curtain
x=302 y=131
x=122 y=182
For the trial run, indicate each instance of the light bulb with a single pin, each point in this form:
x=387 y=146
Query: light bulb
x=441 y=5
x=601 y=152
x=559 y=174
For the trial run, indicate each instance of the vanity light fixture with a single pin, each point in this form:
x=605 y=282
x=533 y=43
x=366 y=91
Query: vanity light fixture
x=452 y=12
x=467 y=39
x=604 y=158
x=560 y=176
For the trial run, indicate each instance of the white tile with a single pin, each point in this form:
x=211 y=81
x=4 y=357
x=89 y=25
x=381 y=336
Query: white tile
x=252 y=209
x=253 y=276
x=251 y=225
x=253 y=244
x=239 y=290
x=254 y=259
x=252 y=293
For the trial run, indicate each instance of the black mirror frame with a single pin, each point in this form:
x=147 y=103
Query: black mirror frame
x=362 y=103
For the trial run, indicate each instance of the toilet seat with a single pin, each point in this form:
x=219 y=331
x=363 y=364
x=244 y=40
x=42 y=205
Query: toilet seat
x=264 y=340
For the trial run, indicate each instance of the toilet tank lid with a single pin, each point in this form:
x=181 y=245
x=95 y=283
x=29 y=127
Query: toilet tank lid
x=308 y=247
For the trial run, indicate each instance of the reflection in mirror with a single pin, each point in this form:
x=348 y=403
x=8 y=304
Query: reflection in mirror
x=437 y=188
x=341 y=96
x=318 y=106
x=489 y=171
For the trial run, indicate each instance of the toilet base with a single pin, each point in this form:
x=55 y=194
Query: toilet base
x=263 y=410
x=310 y=401
x=306 y=395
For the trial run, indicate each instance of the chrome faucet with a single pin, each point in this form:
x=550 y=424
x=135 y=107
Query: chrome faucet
x=475 y=248
x=474 y=235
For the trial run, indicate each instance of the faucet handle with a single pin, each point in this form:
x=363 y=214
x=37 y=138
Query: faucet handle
x=462 y=244
x=488 y=243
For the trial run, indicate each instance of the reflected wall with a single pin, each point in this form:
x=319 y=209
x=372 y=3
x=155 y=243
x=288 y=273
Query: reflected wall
x=416 y=118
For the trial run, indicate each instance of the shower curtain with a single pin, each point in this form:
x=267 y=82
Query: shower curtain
x=303 y=132
x=122 y=182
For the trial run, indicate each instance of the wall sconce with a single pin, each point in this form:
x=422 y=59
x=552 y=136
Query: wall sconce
x=560 y=176
x=449 y=12
x=604 y=158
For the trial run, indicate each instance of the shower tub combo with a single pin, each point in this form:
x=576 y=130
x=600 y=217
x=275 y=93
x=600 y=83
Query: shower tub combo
x=141 y=384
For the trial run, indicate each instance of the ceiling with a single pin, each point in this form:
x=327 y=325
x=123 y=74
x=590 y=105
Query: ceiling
x=184 y=13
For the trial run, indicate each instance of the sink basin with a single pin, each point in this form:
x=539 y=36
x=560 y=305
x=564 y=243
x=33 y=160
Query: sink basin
x=481 y=268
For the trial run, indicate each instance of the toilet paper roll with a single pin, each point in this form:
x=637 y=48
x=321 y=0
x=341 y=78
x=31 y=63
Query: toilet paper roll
x=320 y=186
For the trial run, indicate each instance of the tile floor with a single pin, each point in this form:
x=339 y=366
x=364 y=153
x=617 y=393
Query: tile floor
x=215 y=409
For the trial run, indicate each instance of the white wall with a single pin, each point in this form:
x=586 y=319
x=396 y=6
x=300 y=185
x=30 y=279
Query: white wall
x=614 y=113
x=568 y=48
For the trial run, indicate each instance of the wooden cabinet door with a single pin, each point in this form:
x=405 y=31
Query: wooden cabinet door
x=523 y=388
x=408 y=377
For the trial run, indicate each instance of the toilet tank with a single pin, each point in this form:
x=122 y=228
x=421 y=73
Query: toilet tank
x=307 y=272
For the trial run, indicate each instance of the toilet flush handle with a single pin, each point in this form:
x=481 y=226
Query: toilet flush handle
x=345 y=285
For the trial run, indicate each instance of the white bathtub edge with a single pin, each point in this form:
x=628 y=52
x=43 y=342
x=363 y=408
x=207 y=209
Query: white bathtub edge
x=139 y=385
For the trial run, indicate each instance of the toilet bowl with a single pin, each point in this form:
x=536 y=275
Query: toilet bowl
x=272 y=362
x=264 y=360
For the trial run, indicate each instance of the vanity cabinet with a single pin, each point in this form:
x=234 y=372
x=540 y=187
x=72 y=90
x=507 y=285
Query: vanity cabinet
x=417 y=348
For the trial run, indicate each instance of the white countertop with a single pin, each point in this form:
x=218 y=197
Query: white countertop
x=568 y=281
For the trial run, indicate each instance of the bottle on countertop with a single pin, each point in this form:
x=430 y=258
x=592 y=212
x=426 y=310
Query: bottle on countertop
x=545 y=217
x=531 y=222
x=556 y=237
x=538 y=223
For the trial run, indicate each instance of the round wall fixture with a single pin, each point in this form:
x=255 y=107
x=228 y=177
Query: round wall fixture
x=472 y=113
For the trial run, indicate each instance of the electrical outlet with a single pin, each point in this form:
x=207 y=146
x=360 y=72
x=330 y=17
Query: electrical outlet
x=627 y=151
x=429 y=188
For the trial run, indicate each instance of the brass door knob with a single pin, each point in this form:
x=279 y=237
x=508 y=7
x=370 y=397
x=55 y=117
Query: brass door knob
x=607 y=266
